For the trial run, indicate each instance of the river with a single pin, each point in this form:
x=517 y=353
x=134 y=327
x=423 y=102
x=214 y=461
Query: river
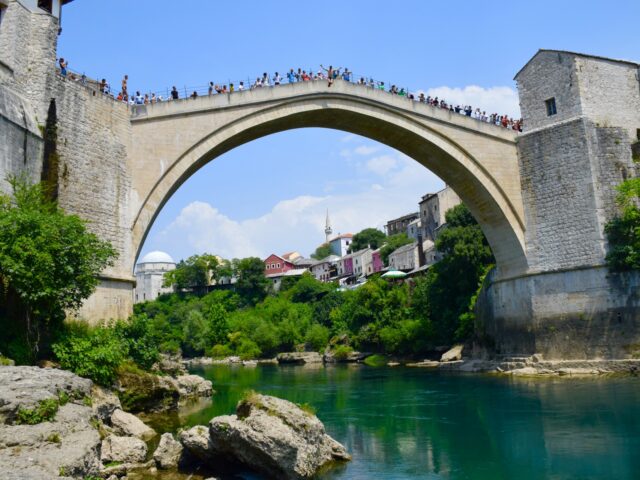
x=411 y=423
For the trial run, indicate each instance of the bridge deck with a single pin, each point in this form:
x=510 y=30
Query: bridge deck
x=317 y=88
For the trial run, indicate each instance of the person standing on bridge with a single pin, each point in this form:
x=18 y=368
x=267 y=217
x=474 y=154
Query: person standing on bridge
x=125 y=93
x=291 y=76
x=277 y=79
x=331 y=73
x=174 y=93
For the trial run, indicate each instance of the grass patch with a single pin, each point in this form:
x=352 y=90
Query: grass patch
x=5 y=361
x=45 y=411
x=376 y=360
x=112 y=464
x=63 y=398
x=307 y=408
x=54 y=438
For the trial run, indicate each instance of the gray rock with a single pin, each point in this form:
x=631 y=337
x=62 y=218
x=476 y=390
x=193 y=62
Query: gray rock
x=147 y=392
x=69 y=444
x=191 y=386
x=455 y=353
x=104 y=402
x=276 y=437
x=128 y=425
x=299 y=357
x=24 y=387
x=170 y=364
x=123 y=449
x=168 y=453
x=197 y=442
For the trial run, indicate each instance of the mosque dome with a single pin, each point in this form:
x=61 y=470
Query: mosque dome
x=157 y=257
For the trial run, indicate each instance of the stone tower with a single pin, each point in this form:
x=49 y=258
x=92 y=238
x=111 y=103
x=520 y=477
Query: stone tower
x=581 y=118
x=327 y=228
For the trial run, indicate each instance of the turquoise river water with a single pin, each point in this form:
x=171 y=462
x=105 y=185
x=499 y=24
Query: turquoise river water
x=411 y=423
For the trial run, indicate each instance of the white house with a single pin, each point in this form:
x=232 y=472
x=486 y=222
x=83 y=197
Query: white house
x=326 y=269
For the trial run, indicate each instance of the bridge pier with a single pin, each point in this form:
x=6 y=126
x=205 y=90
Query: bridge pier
x=568 y=314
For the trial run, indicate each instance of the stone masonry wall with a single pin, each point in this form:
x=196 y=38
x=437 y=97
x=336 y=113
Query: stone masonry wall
x=610 y=93
x=547 y=75
x=558 y=196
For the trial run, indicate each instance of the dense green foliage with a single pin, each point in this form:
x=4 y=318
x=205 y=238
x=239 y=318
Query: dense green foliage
x=406 y=318
x=393 y=243
x=445 y=291
x=198 y=271
x=623 y=231
x=323 y=251
x=369 y=237
x=49 y=264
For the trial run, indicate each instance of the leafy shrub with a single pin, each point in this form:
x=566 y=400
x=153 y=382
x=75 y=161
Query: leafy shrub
x=91 y=352
x=220 y=351
x=317 y=336
x=45 y=411
x=342 y=352
x=142 y=343
x=248 y=349
x=623 y=231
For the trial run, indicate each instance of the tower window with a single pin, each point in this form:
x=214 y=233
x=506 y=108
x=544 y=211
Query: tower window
x=46 y=5
x=551 y=106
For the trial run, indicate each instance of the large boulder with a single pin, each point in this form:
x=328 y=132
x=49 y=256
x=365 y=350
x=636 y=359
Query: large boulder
x=25 y=387
x=68 y=445
x=171 y=364
x=299 y=357
x=193 y=386
x=129 y=425
x=168 y=453
x=197 y=442
x=141 y=391
x=454 y=353
x=104 y=402
x=276 y=437
x=123 y=449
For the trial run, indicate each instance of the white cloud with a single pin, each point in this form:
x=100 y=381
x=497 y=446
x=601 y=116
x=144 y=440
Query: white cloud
x=382 y=165
x=366 y=149
x=298 y=223
x=501 y=100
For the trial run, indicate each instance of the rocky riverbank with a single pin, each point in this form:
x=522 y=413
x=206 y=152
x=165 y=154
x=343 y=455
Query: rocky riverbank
x=54 y=424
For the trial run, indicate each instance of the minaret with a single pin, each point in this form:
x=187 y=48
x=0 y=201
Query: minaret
x=327 y=228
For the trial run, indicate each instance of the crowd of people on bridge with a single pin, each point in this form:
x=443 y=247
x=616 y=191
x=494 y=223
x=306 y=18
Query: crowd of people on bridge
x=329 y=74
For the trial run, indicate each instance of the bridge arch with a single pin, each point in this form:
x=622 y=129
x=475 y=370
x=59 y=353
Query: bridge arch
x=477 y=160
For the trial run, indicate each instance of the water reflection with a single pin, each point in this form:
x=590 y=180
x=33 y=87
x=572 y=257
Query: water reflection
x=402 y=423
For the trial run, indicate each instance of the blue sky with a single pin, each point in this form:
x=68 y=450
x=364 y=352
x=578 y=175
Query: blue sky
x=227 y=208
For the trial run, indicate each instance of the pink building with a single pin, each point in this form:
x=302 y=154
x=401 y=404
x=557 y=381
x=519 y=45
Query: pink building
x=275 y=264
x=376 y=261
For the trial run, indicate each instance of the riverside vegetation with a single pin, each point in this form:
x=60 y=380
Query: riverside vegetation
x=49 y=263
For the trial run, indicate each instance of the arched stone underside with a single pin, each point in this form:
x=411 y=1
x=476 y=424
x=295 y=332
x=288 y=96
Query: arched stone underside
x=479 y=161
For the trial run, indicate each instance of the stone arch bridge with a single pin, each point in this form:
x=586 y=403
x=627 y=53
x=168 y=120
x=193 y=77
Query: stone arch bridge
x=172 y=140
x=542 y=197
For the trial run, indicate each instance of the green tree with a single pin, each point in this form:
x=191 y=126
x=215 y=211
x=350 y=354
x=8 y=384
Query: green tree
x=623 y=231
x=252 y=284
x=194 y=273
x=49 y=263
x=323 y=251
x=443 y=295
x=369 y=237
x=393 y=243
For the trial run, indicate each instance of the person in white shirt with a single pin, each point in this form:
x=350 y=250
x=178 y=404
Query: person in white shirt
x=277 y=79
x=241 y=86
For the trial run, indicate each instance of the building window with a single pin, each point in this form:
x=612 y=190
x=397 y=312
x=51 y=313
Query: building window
x=46 y=5
x=3 y=10
x=551 y=106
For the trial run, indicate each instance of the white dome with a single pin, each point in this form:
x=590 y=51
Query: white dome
x=157 y=257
